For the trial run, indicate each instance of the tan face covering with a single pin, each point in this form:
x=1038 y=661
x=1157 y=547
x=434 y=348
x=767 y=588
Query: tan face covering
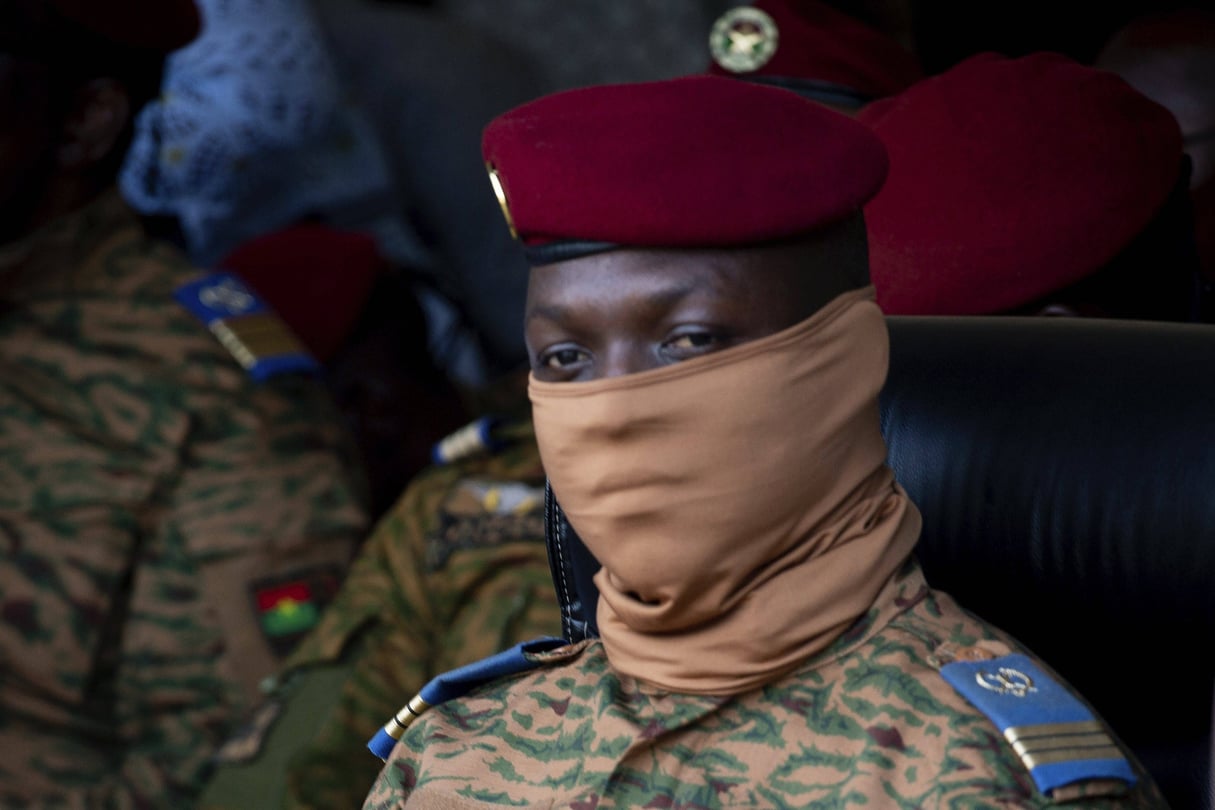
x=739 y=502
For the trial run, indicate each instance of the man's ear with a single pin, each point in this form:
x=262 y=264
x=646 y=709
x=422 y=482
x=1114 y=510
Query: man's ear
x=95 y=121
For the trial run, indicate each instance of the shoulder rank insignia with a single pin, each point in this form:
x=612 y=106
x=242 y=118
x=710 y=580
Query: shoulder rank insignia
x=473 y=439
x=523 y=656
x=245 y=325
x=1055 y=735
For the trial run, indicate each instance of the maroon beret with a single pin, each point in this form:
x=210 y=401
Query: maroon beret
x=796 y=42
x=698 y=161
x=1010 y=179
x=317 y=278
x=158 y=26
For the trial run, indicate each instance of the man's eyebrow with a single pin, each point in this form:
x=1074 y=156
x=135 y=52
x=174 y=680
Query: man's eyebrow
x=670 y=296
x=662 y=299
x=549 y=312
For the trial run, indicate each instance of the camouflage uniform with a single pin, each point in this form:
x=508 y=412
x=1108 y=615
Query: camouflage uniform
x=150 y=494
x=455 y=571
x=868 y=722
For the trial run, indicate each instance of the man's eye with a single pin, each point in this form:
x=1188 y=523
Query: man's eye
x=561 y=358
x=687 y=345
x=692 y=341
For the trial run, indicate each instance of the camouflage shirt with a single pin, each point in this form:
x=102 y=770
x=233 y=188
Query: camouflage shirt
x=870 y=722
x=150 y=496
x=456 y=571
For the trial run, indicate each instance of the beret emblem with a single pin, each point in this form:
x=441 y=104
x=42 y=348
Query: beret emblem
x=500 y=193
x=743 y=39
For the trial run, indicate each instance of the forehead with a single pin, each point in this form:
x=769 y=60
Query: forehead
x=725 y=274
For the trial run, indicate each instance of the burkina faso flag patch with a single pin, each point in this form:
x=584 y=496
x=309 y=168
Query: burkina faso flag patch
x=288 y=607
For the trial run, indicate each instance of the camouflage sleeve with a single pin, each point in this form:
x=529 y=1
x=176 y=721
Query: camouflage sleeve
x=264 y=493
x=376 y=641
x=458 y=570
x=384 y=604
x=147 y=488
x=132 y=660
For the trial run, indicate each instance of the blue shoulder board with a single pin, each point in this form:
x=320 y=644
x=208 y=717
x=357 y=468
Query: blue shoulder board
x=474 y=438
x=459 y=682
x=245 y=325
x=1055 y=735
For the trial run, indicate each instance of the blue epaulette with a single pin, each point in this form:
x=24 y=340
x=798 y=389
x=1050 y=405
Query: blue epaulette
x=1057 y=738
x=458 y=682
x=245 y=325
x=474 y=438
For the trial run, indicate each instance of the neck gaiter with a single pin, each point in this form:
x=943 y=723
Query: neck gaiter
x=739 y=503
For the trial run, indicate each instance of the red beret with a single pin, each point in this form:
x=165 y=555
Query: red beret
x=698 y=161
x=152 y=25
x=316 y=278
x=792 y=41
x=1009 y=179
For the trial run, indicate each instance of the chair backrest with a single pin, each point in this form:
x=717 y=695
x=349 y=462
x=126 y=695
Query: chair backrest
x=1065 y=469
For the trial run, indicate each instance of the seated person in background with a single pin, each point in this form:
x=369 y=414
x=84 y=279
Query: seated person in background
x=1170 y=58
x=179 y=498
x=258 y=158
x=706 y=361
x=1034 y=185
x=289 y=117
x=813 y=49
x=455 y=571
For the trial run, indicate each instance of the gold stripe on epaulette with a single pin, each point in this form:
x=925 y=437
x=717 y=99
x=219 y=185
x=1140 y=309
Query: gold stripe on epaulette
x=253 y=337
x=1071 y=755
x=1014 y=733
x=1038 y=745
x=1049 y=743
x=403 y=719
x=463 y=443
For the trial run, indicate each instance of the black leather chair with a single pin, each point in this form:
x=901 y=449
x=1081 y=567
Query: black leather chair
x=1066 y=473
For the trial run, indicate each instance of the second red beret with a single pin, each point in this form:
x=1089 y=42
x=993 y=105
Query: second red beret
x=1010 y=179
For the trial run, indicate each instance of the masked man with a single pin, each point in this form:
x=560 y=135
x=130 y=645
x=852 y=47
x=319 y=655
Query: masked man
x=706 y=360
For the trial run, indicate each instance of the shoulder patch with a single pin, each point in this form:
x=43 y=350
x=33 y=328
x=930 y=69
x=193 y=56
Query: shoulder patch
x=473 y=496
x=1058 y=739
x=479 y=513
x=245 y=325
x=473 y=439
x=287 y=607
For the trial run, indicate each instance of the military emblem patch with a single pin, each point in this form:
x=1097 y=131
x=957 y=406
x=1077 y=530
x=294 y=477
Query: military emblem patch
x=245 y=326
x=288 y=607
x=743 y=39
x=483 y=513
